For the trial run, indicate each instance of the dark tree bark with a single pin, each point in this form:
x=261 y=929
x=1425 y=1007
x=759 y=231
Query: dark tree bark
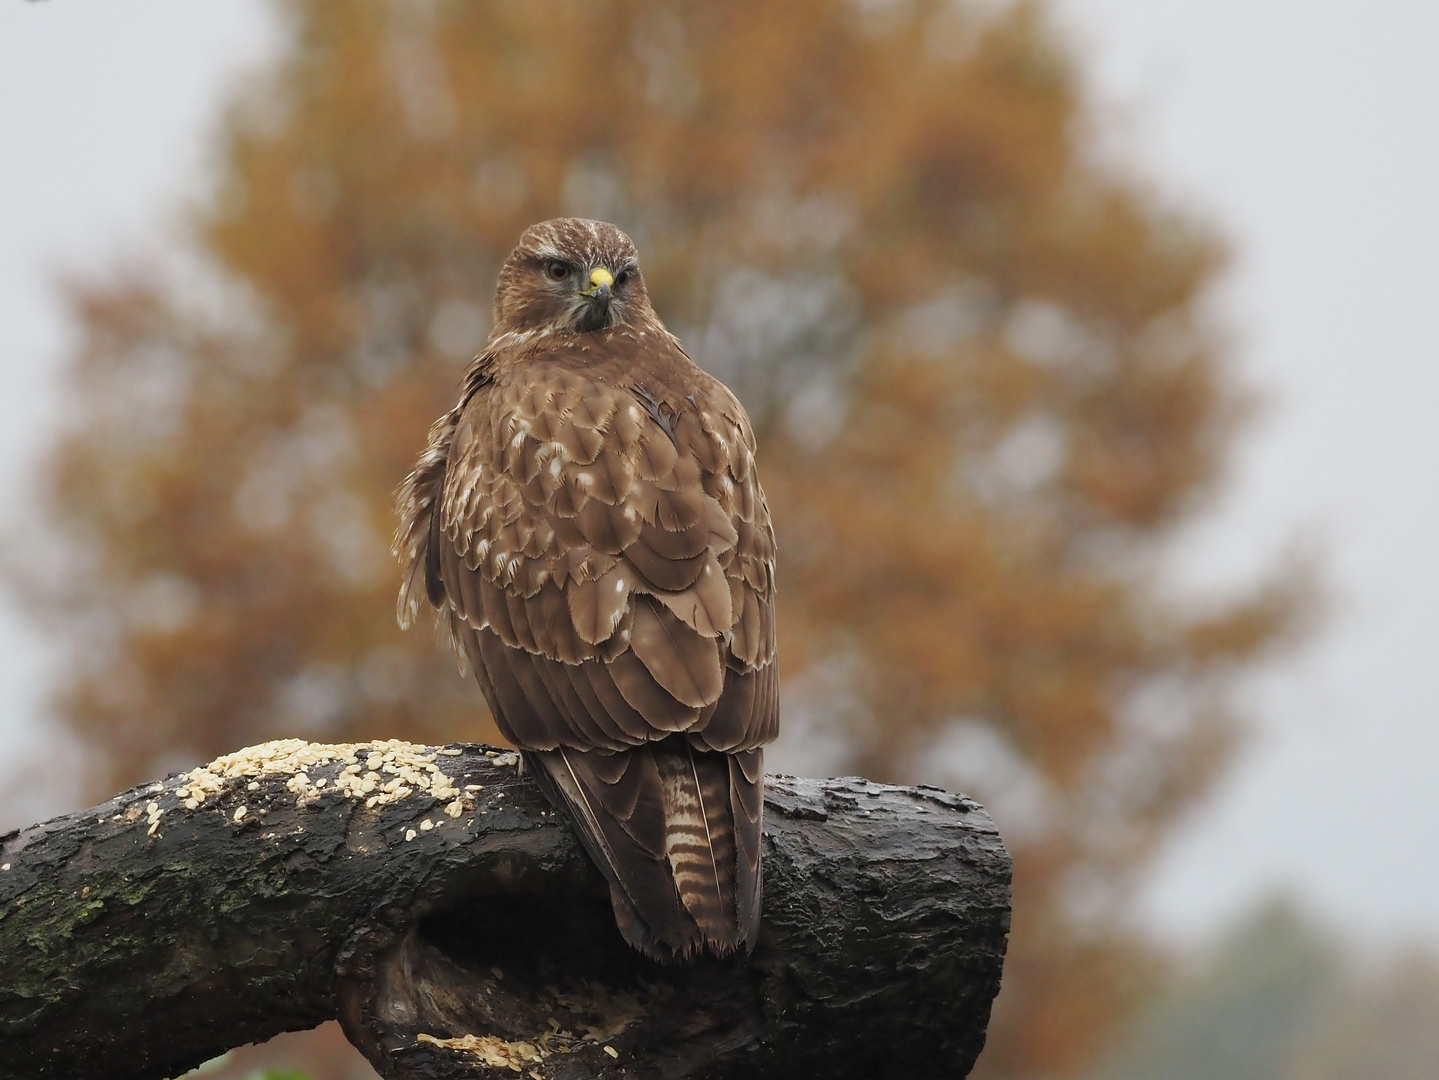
x=140 y=938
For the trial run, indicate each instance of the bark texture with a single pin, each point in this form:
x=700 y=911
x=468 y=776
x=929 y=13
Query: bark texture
x=469 y=936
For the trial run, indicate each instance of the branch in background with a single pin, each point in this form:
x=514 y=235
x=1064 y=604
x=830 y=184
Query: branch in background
x=432 y=900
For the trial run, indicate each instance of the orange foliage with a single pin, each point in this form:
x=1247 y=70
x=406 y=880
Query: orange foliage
x=985 y=390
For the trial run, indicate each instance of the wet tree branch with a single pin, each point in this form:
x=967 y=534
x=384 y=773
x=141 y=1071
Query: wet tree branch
x=455 y=927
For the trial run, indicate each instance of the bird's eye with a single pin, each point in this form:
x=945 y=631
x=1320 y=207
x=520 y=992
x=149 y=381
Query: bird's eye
x=556 y=270
x=624 y=276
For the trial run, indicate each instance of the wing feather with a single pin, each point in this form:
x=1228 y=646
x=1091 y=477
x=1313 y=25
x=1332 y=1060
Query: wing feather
x=585 y=728
x=739 y=711
x=684 y=663
x=706 y=607
x=597 y=606
x=746 y=791
x=500 y=678
x=601 y=681
x=662 y=711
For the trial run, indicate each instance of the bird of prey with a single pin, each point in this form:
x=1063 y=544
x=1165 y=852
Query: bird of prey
x=589 y=524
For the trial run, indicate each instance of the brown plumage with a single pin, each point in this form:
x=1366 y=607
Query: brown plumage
x=590 y=526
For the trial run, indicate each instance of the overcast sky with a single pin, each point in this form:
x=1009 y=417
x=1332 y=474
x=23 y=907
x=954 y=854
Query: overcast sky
x=1308 y=131
x=1311 y=131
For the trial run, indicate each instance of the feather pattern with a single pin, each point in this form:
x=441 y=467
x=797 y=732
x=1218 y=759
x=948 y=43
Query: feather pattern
x=589 y=524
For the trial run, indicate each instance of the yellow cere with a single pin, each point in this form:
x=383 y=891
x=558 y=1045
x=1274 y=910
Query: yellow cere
x=600 y=276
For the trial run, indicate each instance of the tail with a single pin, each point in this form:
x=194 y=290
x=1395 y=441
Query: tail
x=660 y=823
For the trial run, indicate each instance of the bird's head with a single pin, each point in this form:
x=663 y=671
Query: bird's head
x=571 y=275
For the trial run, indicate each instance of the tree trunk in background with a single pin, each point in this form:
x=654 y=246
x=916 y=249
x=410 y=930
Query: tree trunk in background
x=453 y=924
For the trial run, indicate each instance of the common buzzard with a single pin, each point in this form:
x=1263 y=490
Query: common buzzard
x=589 y=524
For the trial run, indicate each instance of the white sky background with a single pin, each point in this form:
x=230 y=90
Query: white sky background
x=1310 y=129
x=1310 y=132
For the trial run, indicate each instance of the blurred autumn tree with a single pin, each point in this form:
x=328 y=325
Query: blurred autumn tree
x=975 y=351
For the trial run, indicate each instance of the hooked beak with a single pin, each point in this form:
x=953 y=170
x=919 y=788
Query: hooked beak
x=596 y=314
x=601 y=285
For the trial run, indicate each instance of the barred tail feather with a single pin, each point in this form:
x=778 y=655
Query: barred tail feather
x=659 y=822
x=699 y=838
x=615 y=803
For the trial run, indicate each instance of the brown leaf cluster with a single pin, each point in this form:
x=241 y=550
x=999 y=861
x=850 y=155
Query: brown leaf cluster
x=976 y=353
